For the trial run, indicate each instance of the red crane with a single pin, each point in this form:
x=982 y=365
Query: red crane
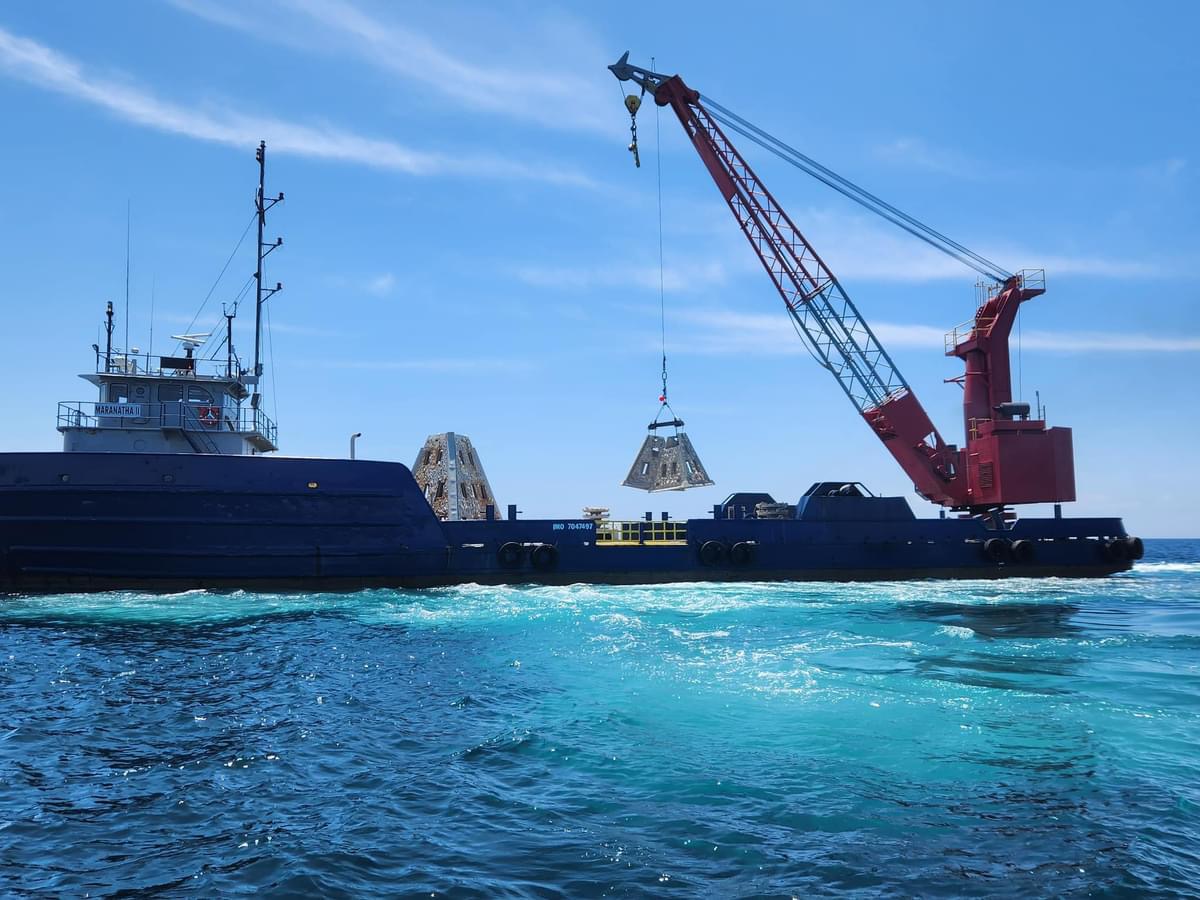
x=1008 y=458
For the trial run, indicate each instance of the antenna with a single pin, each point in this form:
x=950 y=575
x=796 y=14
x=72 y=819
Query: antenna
x=190 y=343
x=264 y=250
x=195 y=338
x=150 y=343
x=128 y=218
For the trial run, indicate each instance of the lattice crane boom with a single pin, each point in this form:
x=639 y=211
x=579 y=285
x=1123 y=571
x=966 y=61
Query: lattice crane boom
x=843 y=342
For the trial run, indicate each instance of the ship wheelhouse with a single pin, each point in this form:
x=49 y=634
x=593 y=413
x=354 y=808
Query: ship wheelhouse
x=174 y=408
x=187 y=404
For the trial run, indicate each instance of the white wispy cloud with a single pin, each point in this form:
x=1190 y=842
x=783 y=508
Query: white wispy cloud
x=1163 y=169
x=1099 y=341
x=46 y=68
x=859 y=248
x=318 y=331
x=215 y=325
x=642 y=277
x=354 y=284
x=571 y=97
x=465 y=365
x=381 y=285
x=915 y=153
x=854 y=247
x=720 y=332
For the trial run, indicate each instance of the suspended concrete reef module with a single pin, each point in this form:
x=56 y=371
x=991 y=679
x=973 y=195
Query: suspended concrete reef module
x=667 y=463
x=449 y=473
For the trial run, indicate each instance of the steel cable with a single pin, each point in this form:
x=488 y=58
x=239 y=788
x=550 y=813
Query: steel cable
x=859 y=195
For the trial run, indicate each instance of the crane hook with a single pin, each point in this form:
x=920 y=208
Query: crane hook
x=633 y=103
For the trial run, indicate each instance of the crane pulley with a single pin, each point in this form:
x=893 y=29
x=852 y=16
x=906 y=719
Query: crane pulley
x=1008 y=458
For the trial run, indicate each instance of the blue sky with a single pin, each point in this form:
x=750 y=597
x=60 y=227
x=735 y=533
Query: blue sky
x=468 y=246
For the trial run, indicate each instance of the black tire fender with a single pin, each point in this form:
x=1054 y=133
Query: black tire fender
x=544 y=556
x=1135 y=548
x=742 y=553
x=998 y=550
x=510 y=555
x=712 y=553
x=1116 y=550
x=1023 y=551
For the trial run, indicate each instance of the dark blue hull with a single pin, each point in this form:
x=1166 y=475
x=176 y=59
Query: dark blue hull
x=101 y=521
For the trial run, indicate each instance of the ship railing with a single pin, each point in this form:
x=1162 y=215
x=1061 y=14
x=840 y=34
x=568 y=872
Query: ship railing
x=966 y=331
x=639 y=532
x=1033 y=279
x=139 y=362
x=173 y=414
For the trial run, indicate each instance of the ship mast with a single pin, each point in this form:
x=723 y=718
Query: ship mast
x=262 y=294
x=229 y=354
x=108 y=330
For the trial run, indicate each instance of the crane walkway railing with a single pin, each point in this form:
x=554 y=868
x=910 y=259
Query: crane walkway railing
x=1033 y=279
x=966 y=331
x=1028 y=279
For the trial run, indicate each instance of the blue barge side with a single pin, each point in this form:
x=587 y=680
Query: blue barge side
x=170 y=521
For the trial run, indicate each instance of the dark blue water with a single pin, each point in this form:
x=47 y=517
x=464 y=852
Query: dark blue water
x=1017 y=737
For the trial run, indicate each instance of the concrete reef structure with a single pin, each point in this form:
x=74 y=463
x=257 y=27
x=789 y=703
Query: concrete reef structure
x=667 y=464
x=453 y=481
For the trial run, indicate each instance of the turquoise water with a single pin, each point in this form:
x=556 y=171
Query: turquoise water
x=1013 y=737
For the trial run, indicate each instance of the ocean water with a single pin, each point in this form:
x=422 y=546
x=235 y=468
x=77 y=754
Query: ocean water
x=934 y=739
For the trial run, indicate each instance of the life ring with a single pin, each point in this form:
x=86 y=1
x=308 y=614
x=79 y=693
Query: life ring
x=712 y=553
x=1116 y=550
x=1135 y=548
x=1023 y=551
x=997 y=550
x=544 y=556
x=511 y=554
x=741 y=553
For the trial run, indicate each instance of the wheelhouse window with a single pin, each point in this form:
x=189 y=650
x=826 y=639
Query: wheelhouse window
x=170 y=393
x=197 y=394
x=118 y=392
